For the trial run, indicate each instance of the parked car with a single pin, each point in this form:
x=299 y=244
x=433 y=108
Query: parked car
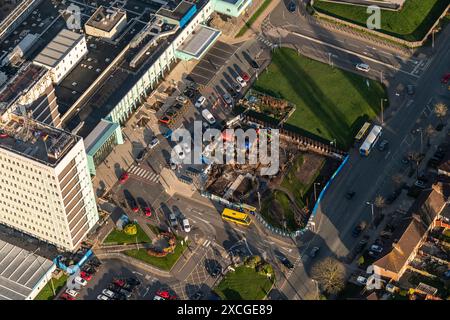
x=358 y=229
x=66 y=296
x=108 y=293
x=245 y=76
x=181 y=99
x=86 y=276
x=361 y=245
x=241 y=81
x=208 y=116
x=80 y=281
x=153 y=143
x=102 y=297
x=237 y=87
x=200 y=102
x=227 y=99
x=254 y=64
x=133 y=281
x=445 y=78
x=197 y=296
x=383 y=145
x=173 y=220
x=313 y=252
x=72 y=293
x=147 y=212
x=119 y=282
x=376 y=248
x=410 y=89
x=363 y=67
x=186 y=226
x=361 y=280
x=123 y=177
x=216 y=270
x=420 y=184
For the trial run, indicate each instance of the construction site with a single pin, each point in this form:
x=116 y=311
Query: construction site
x=284 y=200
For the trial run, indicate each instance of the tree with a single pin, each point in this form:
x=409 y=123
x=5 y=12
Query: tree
x=130 y=229
x=330 y=274
x=379 y=202
x=440 y=110
x=430 y=131
x=398 y=179
x=253 y=261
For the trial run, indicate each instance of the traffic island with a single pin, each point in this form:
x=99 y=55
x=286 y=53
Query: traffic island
x=164 y=252
x=251 y=281
x=121 y=237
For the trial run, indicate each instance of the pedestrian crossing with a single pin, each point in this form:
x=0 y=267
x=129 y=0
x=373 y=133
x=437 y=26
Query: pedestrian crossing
x=267 y=42
x=144 y=173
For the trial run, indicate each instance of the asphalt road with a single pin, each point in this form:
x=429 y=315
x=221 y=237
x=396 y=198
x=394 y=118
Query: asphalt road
x=369 y=176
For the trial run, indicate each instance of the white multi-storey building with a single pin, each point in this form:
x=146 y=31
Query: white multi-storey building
x=45 y=186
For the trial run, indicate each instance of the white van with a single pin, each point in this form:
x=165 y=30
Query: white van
x=80 y=281
x=208 y=116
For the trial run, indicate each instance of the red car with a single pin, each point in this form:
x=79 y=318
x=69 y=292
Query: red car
x=124 y=177
x=86 y=276
x=135 y=208
x=245 y=77
x=148 y=212
x=119 y=282
x=66 y=296
x=166 y=295
x=445 y=78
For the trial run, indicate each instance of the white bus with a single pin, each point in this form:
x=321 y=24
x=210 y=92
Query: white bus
x=370 y=141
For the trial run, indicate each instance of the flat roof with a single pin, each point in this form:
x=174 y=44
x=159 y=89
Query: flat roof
x=176 y=12
x=36 y=140
x=58 y=48
x=105 y=19
x=20 y=271
x=196 y=44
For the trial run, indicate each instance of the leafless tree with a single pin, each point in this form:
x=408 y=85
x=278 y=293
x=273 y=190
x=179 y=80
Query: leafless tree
x=330 y=274
x=430 y=131
x=398 y=179
x=440 y=110
x=379 y=202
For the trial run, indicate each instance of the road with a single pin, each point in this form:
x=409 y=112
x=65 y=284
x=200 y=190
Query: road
x=370 y=176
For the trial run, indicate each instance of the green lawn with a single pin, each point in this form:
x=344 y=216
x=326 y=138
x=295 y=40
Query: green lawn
x=120 y=237
x=164 y=263
x=47 y=293
x=243 y=284
x=331 y=103
x=253 y=18
x=411 y=23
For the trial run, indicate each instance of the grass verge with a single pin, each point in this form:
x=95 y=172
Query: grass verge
x=244 y=284
x=411 y=23
x=47 y=293
x=330 y=103
x=253 y=18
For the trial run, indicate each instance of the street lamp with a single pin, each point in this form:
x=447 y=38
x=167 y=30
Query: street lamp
x=315 y=194
x=371 y=205
x=382 y=110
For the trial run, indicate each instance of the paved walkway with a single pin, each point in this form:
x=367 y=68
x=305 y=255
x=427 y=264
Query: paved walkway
x=253 y=31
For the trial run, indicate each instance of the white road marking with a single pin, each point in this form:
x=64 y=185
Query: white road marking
x=387 y=155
